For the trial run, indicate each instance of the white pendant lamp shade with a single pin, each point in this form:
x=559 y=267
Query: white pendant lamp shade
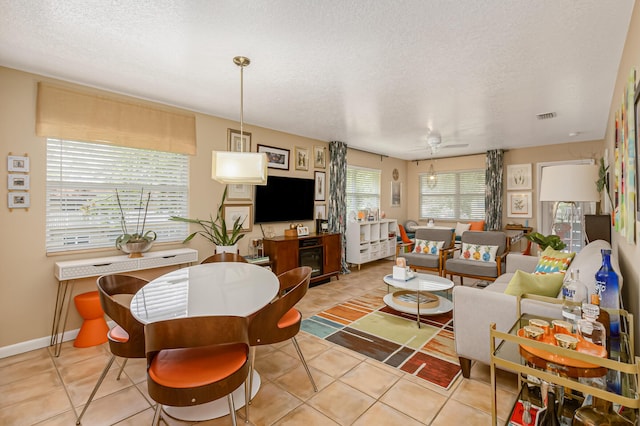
x=239 y=167
x=569 y=182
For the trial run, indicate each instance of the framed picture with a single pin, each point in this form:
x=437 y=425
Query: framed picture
x=239 y=192
x=278 y=158
x=319 y=157
x=520 y=204
x=19 y=200
x=321 y=211
x=637 y=153
x=231 y=212
x=235 y=143
x=396 y=194
x=16 y=163
x=321 y=187
x=302 y=158
x=519 y=177
x=18 y=182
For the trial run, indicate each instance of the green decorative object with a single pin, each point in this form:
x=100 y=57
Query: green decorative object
x=215 y=230
x=139 y=241
x=543 y=241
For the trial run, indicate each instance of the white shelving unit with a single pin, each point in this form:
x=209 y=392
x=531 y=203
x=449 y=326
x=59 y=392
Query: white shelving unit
x=368 y=241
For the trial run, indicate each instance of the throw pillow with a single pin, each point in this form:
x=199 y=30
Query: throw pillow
x=543 y=285
x=427 y=247
x=553 y=262
x=479 y=252
x=476 y=226
x=461 y=227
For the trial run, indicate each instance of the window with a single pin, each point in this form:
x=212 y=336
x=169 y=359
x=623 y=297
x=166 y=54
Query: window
x=82 y=210
x=456 y=196
x=363 y=189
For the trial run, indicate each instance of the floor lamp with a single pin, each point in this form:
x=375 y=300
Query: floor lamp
x=569 y=183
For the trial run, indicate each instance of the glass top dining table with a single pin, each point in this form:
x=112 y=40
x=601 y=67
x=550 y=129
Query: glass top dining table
x=222 y=288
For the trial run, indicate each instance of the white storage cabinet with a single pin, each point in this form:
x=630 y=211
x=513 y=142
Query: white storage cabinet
x=368 y=241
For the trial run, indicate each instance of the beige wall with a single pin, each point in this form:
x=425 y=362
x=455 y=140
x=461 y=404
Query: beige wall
x=628 y=254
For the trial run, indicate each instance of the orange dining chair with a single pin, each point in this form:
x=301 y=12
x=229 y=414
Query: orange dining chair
x=407 y=243
x=280 y=320
x=126 y=339
x=191 y=361
x=224 y=257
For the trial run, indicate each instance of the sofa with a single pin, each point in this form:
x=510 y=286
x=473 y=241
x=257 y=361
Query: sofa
x=474 y=309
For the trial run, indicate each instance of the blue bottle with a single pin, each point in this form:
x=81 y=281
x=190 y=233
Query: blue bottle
x=609 y=292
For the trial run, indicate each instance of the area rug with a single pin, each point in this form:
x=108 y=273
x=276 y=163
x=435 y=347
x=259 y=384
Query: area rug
x=367 y=326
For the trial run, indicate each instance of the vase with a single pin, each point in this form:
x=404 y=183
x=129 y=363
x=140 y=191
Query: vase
x=227 y=249
x=136 y=248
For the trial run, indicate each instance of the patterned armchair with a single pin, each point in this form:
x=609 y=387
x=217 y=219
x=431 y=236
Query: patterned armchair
x=432 y=247
x=482 y=256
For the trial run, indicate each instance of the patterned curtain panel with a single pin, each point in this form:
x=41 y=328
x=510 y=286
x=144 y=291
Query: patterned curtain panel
x=337 y=202
x=493 y=192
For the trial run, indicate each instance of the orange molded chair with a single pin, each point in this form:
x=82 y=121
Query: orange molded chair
x=407 y=244
x=224 y=257
x=279 y=320
x=94 y=329
x=195 y=360
x=126 y=339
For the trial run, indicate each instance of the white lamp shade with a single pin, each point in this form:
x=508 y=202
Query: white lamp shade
x=569 y=182
x=239 y=167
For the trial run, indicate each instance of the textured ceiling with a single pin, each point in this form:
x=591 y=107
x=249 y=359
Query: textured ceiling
x=376 y=74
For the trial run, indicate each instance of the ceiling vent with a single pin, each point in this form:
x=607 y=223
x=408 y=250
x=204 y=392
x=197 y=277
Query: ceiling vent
x=546 y=115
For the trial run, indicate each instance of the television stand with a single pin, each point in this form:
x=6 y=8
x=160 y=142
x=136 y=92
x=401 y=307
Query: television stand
x=321 y=252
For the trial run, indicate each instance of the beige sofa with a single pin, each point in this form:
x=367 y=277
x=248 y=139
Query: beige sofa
x=475 y=309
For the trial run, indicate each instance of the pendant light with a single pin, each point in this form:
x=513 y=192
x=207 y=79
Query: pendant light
x=432 y=177
x=239 y=167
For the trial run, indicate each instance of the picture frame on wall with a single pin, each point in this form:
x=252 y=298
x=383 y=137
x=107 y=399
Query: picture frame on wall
x=18 y=182
x=518 y=177
x=320 y=211
x=396 y=194
x=278 y=158
x=239 y=192
x=231 y=212
x=320 y=186
x=636 y=104
x=236 y=143
x=302 y=158
x=319 y=157
x=19 y=200
x=520 y=204
x=18 y=163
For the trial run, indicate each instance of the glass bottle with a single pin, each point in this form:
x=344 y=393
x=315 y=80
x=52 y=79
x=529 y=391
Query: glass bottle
x=609 y=292
x=550 y=415
x=574 y=294
x=599 y=413
x=590 y=328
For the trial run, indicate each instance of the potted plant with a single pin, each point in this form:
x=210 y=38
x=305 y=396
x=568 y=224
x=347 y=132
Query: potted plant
x=544 y=241
x=139 y=241
x=216 y=230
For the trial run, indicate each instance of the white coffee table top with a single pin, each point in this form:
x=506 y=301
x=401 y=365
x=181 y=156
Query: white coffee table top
x=422 y=282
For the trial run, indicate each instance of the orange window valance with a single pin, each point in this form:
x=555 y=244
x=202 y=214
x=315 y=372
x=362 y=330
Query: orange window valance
x=73 y=114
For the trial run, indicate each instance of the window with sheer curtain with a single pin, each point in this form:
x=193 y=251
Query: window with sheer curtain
x=82 y=211
x=457 y=195
x=363 y=189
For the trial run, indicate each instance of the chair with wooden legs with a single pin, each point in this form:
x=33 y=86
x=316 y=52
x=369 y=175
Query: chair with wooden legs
x=126 y=339
x=280 y=320
x=191 y=361
x=224 y=257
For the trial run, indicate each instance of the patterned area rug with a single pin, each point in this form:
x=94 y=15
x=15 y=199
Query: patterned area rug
x=367 y=326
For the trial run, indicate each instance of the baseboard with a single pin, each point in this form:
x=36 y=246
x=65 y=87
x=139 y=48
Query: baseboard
x=39 y=343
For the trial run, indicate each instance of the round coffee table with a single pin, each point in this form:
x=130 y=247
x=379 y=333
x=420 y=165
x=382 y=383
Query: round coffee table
x=416 y=297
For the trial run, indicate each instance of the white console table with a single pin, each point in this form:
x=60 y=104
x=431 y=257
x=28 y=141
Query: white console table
x=68 y=271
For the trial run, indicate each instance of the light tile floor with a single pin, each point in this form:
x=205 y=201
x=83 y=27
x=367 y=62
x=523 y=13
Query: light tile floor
x=39 y=389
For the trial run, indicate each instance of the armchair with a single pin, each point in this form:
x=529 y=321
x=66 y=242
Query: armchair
x=473 y=268
x=428 y=261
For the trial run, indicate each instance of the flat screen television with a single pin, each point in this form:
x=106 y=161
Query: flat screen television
x=284 y=199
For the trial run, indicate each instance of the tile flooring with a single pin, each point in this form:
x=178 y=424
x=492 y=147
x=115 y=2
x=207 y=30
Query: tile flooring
x=39 y=389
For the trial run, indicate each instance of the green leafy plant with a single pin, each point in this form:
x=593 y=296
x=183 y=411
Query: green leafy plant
x=215 y=230
x=140 y=235
x=545 y=241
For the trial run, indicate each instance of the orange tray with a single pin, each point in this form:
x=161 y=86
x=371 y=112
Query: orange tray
x=583 y=346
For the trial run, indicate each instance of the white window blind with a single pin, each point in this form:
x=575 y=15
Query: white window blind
x=456 y=195
x=363 y=188
x=82 y=210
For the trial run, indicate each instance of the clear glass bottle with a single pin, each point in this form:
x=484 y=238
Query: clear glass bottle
x=574 y=294
x=590 y=328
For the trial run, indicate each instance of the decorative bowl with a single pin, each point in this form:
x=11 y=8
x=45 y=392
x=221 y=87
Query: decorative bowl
x=566 y=341
x=533 y=332
x=562 y=327
x=135 y=249
x=536 y=322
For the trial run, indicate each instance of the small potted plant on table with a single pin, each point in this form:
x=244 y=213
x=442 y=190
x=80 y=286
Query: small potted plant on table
x=139 y=241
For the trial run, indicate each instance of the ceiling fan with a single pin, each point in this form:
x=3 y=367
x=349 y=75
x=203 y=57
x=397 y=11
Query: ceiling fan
x=434 y=143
